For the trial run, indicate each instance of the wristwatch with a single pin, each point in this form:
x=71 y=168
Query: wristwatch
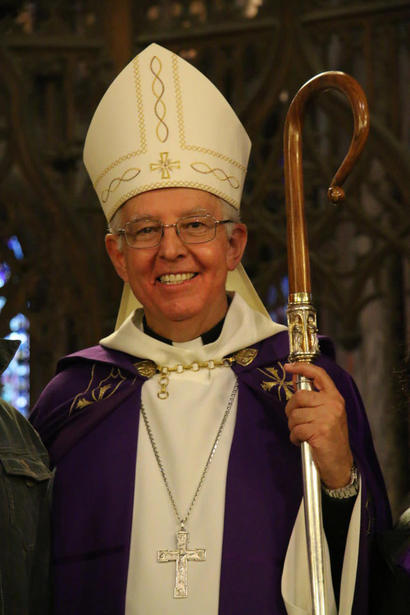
x=349 y=490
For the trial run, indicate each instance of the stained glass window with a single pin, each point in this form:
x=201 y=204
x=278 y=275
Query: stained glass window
x=15 y=380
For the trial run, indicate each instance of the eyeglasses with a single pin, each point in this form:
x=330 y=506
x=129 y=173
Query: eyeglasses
x=147 y=233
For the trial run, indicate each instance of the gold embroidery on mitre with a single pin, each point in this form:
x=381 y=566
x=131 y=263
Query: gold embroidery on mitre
x=146 y=368
x=277 y=380
x=127 y=176
x=141 y=126
x=205 y=169
x=246 y=356
x=103 y=389
x=165 y=166
x=160 y=110
x=181 y=126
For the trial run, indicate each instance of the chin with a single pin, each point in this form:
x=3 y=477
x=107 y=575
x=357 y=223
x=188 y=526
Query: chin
x=180 y=314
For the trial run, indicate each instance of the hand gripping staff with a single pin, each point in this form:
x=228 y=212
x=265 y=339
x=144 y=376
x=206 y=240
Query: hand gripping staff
x=301 y=314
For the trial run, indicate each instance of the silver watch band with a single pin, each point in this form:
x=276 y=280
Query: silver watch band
x=350 y=490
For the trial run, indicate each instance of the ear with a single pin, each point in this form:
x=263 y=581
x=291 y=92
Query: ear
x=116 y=255
x=237 y=243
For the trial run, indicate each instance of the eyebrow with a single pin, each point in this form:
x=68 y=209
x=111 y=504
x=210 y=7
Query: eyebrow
x=192 y=212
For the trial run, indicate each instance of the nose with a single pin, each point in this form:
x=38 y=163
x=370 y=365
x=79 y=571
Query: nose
x=171 y=246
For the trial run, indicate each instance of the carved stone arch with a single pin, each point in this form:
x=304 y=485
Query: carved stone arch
x=56 y=269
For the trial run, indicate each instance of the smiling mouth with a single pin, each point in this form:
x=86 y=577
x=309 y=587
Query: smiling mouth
x=175 y=278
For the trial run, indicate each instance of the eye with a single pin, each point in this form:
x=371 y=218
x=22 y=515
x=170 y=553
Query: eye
x=143 y=228
x=195 y=225
x=147 y=229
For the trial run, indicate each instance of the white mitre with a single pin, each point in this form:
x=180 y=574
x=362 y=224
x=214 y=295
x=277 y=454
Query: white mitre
x=162 y=124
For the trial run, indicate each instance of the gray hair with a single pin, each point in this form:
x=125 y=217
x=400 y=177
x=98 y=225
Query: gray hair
x=228 y=213
x=115 y=224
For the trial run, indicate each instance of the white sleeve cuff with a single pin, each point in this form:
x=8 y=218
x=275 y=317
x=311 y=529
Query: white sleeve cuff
x=295 y=577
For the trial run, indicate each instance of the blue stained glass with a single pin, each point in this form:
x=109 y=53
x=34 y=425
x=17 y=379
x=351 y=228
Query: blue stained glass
x=22 y=370
x=16 y=379
x=21 y=403
x=14 y=244
x=4 y=273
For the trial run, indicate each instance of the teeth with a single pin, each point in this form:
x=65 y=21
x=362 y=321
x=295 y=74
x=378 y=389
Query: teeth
x=175 y=278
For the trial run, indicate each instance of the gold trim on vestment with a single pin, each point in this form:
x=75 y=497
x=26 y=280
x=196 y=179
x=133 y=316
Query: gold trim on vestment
x=98 y=392
x=277 y=380
x=181 y=125
x=160 y=109
x=125 y=177
x=245 y=356
x=141 y=126
x=165 y=165
x=146 y=368
x=216 y=172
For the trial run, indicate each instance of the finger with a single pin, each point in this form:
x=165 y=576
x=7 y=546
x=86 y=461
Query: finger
x=301 y=433
x=325 y=422
x=312 y=399
x=320 y=378
x=323 y=427
x=305 y=399
x=300 y=416
x=319 y=430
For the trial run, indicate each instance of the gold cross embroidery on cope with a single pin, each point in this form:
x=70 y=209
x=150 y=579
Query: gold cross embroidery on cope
x=277 y=381
x=181 y=556
x=165 y=166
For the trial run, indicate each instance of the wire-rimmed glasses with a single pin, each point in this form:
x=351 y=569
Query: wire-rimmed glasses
x=148 y=232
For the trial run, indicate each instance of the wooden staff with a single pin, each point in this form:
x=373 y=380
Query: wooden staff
x=301 y=313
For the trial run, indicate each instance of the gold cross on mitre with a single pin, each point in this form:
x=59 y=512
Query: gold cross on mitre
x=165 y=165
x=181 y=556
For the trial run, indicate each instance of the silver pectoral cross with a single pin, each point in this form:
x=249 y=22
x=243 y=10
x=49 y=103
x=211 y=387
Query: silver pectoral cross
x=181 y=556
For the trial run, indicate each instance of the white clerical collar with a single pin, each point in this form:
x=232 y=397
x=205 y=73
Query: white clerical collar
x=242 y=327
x=191 y=344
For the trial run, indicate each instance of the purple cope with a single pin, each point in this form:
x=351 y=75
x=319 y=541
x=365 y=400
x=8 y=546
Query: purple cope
x=88 y=418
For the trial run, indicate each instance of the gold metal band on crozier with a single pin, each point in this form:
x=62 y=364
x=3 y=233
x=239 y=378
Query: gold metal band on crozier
x=300 y=298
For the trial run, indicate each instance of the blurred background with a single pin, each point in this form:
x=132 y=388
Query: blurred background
x=58 y=292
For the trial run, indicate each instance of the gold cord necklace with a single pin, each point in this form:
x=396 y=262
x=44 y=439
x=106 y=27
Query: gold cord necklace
x=181 y=555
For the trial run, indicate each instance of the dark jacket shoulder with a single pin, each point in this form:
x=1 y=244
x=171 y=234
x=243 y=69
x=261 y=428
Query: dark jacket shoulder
x=17 y=436
x=25 y=487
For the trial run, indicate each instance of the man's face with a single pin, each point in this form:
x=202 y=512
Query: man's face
x=197 y=296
